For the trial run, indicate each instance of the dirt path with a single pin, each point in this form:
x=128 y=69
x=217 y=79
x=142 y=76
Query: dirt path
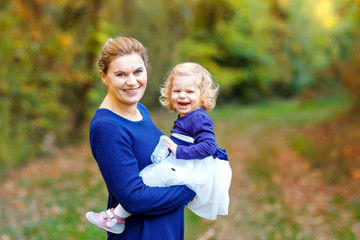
x=35 y=192
x=299 y=190
x=240 y=149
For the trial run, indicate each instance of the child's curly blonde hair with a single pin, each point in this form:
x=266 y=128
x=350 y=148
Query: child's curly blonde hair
x=209 y=89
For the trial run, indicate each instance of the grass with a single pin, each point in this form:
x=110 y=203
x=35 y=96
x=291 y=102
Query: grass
x=275 y=193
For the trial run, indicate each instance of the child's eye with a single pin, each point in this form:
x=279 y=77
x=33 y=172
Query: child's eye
x=138 y=71
x=120 y=75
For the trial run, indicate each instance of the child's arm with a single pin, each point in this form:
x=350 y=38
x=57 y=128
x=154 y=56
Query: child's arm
x=205 y=143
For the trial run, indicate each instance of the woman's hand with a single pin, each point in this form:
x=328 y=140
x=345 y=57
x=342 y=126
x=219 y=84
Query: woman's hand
x=171 y=145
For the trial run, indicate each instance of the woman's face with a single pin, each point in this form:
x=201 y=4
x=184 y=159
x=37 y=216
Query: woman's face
x=126 y=79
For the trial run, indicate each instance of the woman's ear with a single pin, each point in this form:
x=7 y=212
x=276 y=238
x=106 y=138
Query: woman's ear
x=103 y=77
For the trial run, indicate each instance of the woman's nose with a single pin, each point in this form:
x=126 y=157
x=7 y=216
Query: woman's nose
x=131 y=80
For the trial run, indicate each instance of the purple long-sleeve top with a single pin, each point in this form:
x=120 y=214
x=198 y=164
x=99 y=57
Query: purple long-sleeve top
x=199 y=126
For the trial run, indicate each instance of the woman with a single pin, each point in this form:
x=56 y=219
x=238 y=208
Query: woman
x=122 y=139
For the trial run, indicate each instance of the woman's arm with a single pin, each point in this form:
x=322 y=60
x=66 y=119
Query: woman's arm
x=120 y=170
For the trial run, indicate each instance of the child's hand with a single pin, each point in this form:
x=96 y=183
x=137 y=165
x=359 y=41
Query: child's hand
x=171 y=145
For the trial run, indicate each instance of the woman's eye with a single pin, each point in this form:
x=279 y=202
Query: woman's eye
x=138 y=72
x=120 y=75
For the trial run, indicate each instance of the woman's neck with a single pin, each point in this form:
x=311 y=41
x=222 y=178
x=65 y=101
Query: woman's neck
x=128 y=111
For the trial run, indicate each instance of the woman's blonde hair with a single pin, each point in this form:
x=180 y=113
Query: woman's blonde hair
x=118 y=47
x=209 y=89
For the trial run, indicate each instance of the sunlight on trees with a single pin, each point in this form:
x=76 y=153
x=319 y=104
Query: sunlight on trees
x=255 y=50
x=324 y=13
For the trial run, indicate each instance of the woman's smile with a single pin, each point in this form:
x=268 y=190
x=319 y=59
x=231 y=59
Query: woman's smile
x=133 y=90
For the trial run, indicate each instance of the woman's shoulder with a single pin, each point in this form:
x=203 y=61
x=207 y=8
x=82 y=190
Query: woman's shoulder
x=142 y=108
x=103 y=115
x=106 y=119
x=145 y=113
x=106 y=125
x=102 y=118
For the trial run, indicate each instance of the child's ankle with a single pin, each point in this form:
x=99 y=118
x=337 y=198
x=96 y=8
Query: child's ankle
x=120 y=211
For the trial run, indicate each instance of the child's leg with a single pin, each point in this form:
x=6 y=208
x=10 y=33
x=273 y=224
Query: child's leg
x=120 y=211
x=112 y=220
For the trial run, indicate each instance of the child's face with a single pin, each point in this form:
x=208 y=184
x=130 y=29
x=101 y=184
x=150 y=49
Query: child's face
x=185 y=94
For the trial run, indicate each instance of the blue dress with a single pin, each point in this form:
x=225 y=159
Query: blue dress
x=122 y=148
x=198 y=164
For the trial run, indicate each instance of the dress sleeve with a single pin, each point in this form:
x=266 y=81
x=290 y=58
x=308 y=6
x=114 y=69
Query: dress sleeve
x=205 y=140
x=119 y=168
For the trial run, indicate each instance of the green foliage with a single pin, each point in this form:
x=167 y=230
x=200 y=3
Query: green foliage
x=27 y=92
x=47 y=75
x=256 y=50
x=262 y=49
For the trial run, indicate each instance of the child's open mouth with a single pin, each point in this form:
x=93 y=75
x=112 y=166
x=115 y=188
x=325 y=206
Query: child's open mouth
x=183 y=104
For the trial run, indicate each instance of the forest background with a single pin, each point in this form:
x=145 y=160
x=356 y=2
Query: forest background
x=258 y=51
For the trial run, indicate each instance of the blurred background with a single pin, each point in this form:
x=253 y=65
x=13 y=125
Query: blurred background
x=288 y=112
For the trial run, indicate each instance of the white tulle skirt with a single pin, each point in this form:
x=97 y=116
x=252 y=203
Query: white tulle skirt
x=209 y=178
